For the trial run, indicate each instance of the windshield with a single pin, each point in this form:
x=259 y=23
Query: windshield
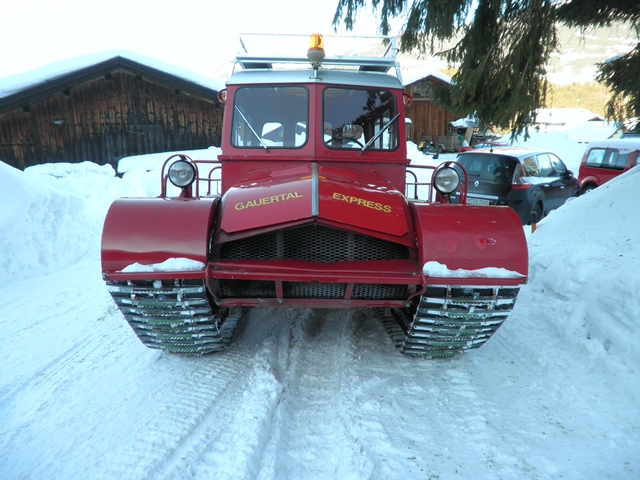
x=355 y=118
x=268 y=117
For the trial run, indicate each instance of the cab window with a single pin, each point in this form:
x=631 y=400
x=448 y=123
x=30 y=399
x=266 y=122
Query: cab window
x=358 y=118
x=266 y=117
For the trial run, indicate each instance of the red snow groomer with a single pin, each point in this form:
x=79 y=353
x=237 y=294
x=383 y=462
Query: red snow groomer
x=313 y=203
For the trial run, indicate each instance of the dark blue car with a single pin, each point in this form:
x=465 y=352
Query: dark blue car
x=531 y=181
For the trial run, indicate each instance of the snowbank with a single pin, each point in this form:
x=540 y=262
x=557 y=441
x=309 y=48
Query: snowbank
x=585 y=259
x=45 y=226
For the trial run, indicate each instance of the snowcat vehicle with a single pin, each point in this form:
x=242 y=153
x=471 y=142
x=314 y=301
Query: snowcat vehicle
x=313 y=203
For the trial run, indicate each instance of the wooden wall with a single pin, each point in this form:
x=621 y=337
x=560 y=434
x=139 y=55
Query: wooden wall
x=118 y=115
x=428 y=121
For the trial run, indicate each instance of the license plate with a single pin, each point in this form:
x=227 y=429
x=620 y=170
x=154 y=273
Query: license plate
x=477 y=201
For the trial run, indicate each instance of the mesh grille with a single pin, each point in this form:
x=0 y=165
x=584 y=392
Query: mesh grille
x=263 y=289
x=313 y=244
x=247 y=289
x=366 y=291
x=313 y=290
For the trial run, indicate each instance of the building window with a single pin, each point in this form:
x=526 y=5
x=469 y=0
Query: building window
x=423 y=89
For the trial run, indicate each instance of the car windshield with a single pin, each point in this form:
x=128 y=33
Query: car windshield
x=266 y=117
x=497 y=168
x=359 y=118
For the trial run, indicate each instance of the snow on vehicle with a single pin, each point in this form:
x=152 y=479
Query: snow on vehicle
x=313 y=203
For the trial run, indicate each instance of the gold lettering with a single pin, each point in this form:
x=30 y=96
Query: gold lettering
x=268 y=200
x=380 y=207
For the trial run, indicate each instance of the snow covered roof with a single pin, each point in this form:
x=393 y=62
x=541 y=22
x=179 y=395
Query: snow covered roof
x=414 y=75
x=43 y=81
x=466 y=122
x=565 y=116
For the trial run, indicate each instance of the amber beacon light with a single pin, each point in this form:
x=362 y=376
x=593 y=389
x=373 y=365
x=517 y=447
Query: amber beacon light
x=315 y=54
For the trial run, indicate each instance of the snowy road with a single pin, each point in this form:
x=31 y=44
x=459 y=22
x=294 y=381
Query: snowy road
x=301 y=394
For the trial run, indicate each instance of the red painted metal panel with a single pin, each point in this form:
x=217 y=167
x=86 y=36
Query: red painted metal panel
x=309 y=303
x=397 y=272
x=360 y=199
x=275 y=198
x=368 y=202
x=471 y=238
x=152 y=230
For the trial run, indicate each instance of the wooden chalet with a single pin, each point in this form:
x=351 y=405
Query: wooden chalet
x=428 y=121
x=105 y=109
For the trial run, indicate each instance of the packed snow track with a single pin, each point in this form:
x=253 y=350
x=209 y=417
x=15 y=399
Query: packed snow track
x=299 y=394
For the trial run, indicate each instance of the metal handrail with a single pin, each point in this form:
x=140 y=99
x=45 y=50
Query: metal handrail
x=188 y=192
x=415 y=183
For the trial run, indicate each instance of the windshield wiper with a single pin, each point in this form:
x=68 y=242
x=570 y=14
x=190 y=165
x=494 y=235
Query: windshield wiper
x=382 y=130
x=252 y=129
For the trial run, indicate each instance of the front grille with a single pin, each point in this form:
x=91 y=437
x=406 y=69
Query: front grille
x=247 y=289
x=263 y=289
x=313 y=244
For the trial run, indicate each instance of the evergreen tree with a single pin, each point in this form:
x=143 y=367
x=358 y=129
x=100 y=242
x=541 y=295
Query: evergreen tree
x=501 y=48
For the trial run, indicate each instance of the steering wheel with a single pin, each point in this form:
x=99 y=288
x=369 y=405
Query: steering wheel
x=345 y=139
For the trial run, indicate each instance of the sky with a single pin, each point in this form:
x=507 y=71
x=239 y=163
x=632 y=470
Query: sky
x=197 y=35
x=315 y=394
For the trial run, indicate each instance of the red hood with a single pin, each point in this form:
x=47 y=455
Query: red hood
x=301 y=192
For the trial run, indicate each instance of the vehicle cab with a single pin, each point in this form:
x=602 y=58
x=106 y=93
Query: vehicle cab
x=347 y=112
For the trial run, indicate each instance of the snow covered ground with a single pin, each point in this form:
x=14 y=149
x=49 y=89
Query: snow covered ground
x=306 y=394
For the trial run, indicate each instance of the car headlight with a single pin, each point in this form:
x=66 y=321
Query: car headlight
x=182 y=173
x=446 y=180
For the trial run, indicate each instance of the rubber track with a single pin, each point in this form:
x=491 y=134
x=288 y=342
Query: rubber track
x=174 y=315
x=451 y=319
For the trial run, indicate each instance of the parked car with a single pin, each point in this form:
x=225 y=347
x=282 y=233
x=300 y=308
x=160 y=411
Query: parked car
x=531 y=181
x=606 y=159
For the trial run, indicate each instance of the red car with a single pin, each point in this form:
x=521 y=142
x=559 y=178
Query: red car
x=606 y=159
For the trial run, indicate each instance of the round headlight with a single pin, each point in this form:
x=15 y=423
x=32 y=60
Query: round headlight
x=446 y=180
x=182 y=173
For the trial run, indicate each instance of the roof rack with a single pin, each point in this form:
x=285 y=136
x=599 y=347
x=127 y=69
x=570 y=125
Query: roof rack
x=364 y=54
